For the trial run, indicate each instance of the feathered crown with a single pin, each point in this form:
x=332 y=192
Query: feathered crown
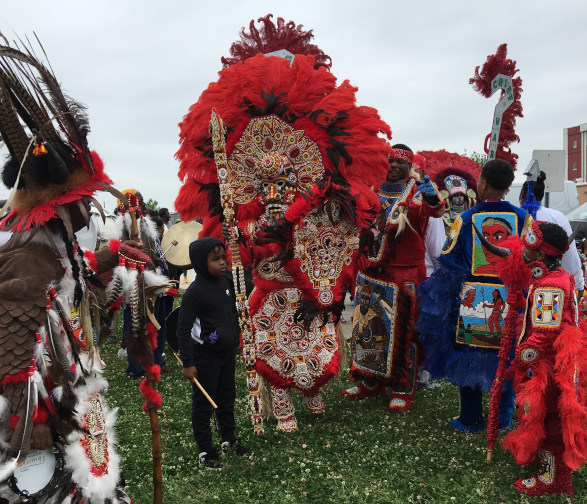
x=49 y=166
x=272 y=105
x=437 y=161
x=271 y=38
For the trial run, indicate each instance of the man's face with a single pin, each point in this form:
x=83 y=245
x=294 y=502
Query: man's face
x=398 y=170
x=165 y=217
x=217 y=262
x=365 y=301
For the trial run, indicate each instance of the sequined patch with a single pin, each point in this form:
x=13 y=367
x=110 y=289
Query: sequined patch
x=548 y=307
x=325 y=248
x=529 y=354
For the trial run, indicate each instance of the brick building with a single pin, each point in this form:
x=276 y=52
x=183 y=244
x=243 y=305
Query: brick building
x=575 y=147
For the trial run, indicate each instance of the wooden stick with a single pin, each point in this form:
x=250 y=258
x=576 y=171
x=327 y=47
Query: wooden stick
x=156 y=446
x=198 y=384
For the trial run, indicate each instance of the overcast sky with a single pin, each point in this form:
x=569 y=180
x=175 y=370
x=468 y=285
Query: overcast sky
x=139 y=65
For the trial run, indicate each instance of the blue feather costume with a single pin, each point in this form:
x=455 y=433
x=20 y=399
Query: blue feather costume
x=462 y=308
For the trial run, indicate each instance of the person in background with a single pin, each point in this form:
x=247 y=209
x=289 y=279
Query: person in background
x=571 y=262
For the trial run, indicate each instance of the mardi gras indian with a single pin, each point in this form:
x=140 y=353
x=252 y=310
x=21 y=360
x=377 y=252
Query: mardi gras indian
x=56 y=439
x=300 y=159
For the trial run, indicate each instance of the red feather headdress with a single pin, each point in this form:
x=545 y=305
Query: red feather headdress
x=318 y=126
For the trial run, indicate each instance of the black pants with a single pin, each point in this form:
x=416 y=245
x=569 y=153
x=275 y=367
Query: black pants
x=216 y=375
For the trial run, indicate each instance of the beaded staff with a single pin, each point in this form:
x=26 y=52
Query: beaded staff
x=218 y=132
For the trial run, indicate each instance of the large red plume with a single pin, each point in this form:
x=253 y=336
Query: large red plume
x=306 y=100
x=498 y=63
x=270 y=37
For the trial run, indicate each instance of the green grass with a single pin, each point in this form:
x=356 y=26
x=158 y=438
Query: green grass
x=355 y=452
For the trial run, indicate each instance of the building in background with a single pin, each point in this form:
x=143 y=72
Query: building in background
x=575 y=147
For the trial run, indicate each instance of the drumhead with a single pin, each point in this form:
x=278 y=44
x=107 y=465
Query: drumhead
x=39 y=474
x=183 y=233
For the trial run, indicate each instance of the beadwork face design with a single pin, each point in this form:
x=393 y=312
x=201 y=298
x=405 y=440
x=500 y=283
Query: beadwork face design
x=95 y=440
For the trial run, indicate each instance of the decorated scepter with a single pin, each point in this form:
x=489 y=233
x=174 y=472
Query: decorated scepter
x=218 y=132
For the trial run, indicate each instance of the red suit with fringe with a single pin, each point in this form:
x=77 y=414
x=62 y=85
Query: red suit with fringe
x=395 y=269
x=549 y=381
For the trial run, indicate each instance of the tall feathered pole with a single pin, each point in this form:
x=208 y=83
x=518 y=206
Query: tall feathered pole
x=218 y=132
x=498 y=74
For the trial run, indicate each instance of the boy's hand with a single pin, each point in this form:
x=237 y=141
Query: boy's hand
x=191 y=373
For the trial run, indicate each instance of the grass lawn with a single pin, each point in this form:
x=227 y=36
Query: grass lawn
x=355 y=452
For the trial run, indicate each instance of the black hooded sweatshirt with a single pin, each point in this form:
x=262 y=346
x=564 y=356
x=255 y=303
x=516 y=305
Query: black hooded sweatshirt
x=206 y=310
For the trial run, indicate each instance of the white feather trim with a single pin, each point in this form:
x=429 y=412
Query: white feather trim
x=122 y=226
x=147 y=227
x=127 y=276
x=95 y=488
x=57 y=393
x=153 y=278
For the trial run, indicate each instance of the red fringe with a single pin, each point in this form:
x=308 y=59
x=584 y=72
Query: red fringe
x=21 y=376
x=276 y=380
x=571 y=359
x=46 y=211
x=114 y=245
x=526 y=440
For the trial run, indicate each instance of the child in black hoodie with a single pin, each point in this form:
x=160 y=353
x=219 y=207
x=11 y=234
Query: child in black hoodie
x=208 y=345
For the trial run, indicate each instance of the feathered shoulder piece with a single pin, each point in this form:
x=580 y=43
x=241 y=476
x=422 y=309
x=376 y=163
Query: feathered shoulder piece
x=499 y=63
x=272 y=38
x=49 y=163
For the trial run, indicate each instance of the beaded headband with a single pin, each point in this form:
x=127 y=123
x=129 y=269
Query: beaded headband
x=534 y=240
x=406 y=155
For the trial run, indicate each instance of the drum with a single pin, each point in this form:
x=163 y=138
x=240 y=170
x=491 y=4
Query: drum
x=183 y=233
x=39 y=475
